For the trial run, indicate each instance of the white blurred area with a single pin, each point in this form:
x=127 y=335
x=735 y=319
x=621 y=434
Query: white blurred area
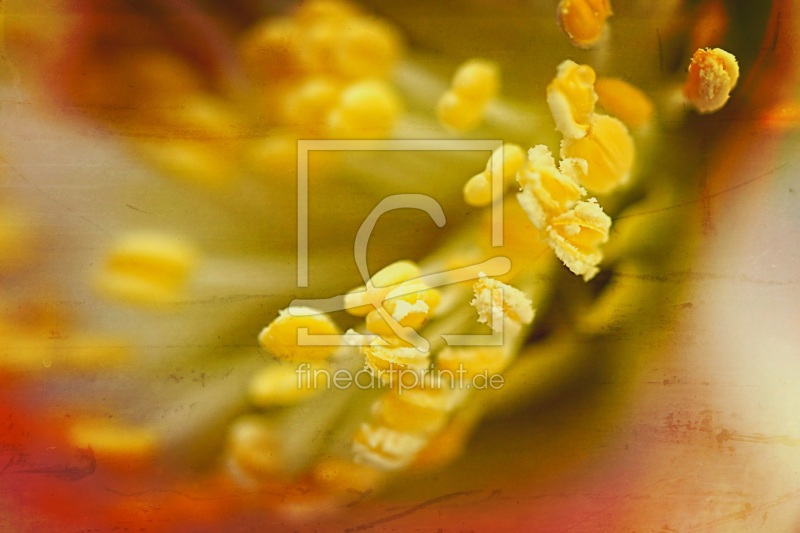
x=715 y=444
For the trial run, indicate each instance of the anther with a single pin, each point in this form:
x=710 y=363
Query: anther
x=609 y=152
x=282 y=336
x=409 y=303
x=479 y=191
x=713 y=73
x=547 y=190
x=624 y=101
x=366 y=109
x=393 y=362
x=576 y=237
x=572 y=98
x=584 y=21
x=361 y=300
x=496 y=301
x=474 y=85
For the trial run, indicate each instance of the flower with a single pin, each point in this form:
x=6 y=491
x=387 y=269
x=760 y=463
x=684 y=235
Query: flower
x=133 y=367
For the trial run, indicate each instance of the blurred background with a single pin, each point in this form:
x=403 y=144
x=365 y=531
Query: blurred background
x=662 y=396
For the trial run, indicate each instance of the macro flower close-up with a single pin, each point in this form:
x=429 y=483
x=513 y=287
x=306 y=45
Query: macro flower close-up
x=363 y=265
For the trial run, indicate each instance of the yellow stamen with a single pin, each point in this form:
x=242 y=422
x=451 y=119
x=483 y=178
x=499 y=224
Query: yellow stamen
x=394 y=274
x=495 y=301
x=478 y=190
x=279 y=385
x=584 y=21
x=388 y=361
x=458 y=113
x=713 y=73
x=366 y=48
x=608 y=150
x=384 y=448
x=435 y=393
x=411 y=292
x=576 y=236
x=477 y=80
x=393 y=411
x=357 y=301
x=147 y=268
x=474 y=84
x=307 y=106
x=360 y=300
x=365 y=109
x=409 y=303
x=546 y=190
x=571 y=98
x=624 y=101
x=318 y=42
x=574 y=229
x=281 y=336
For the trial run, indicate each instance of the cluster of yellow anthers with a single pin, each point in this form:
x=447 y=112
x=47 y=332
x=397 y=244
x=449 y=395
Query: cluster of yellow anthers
x=474 y=85
x=713 y=73
x=325 y=67
x=601 y=140
x=588 y=135
x=597 y=153
x=414 y=411
x=419 y=406
x=584 y=21
x=319 y=71
x=398 y=291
